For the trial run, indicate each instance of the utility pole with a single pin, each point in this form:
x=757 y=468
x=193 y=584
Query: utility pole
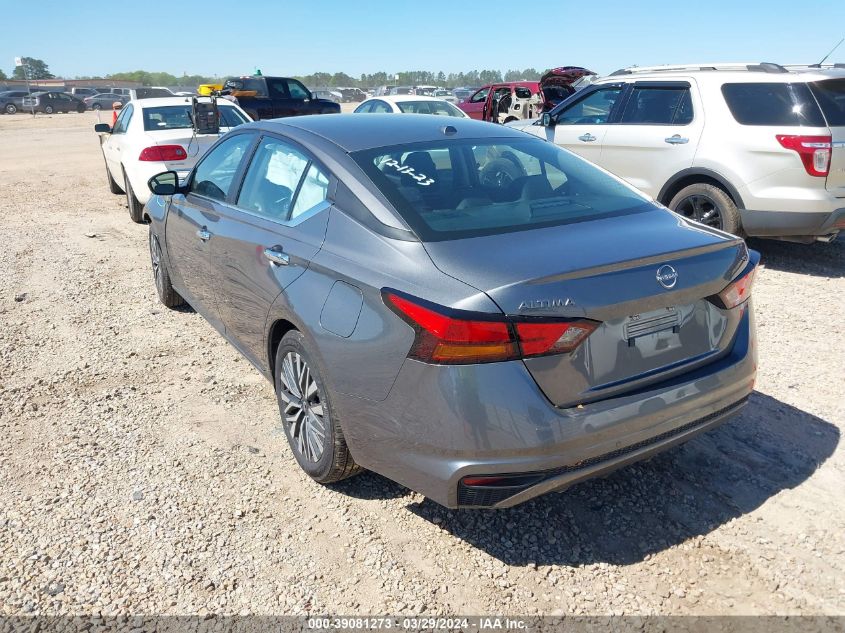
x=19 y=61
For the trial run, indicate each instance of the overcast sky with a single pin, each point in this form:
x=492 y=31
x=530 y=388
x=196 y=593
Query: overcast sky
x=216 y=37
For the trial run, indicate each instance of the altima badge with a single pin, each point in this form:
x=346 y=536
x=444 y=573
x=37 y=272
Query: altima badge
x=667 y=276
x=544 y=304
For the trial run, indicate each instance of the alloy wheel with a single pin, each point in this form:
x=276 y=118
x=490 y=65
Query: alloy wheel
x=702 y=209
x=303 y=411
x=155 y=258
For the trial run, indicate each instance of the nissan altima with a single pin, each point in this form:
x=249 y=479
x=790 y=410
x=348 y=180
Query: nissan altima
x=474 y=313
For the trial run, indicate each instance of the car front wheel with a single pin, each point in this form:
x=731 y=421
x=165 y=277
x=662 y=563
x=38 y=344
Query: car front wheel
x=708 y=204
x=10 y=108
x=309 y=421
x=48 y=109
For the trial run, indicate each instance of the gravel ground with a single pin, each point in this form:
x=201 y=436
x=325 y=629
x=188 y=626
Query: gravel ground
x=142 y=468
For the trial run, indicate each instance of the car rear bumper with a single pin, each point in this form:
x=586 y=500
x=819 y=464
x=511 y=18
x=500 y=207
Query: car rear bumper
x=441 y=424
x=802 y=226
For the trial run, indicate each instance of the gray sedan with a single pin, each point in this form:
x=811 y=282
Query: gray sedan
x=104 y=100
x=467 y=310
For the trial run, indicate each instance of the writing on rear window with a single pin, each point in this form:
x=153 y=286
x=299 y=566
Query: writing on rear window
x=421 y=178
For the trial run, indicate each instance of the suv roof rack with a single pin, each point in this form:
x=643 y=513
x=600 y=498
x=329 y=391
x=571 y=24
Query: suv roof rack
x=766 y=67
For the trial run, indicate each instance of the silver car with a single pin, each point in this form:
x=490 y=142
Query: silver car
x=472 y=312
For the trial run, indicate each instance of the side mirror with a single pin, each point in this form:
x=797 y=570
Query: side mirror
x=164 y=184
x=102 y=128
x=548 y=121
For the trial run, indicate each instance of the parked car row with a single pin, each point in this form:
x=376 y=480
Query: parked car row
x=377 y=269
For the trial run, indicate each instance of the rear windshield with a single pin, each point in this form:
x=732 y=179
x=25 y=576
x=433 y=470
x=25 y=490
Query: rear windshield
x=831 y=98
x=466 y=188
x=179 y=117
x=429 y=107
x=773 y=104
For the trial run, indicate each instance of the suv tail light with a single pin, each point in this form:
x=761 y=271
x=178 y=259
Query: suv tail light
x=813 y=150
x=451 y=337
x=163 y=153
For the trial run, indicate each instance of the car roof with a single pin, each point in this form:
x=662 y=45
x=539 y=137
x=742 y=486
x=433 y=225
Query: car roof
x=728 y=72
x=354 y=132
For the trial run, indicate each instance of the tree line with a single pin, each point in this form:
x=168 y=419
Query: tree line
x=38 y=69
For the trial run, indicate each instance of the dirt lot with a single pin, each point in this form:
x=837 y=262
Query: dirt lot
x=142 y=468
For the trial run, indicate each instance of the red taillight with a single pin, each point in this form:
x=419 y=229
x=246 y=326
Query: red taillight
x=739 y=290
x=452 y=339
x=163 y=153
x=813 y=150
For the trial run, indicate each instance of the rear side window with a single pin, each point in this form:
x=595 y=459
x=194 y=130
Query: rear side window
x=272 y=180
x=772 y=104
x=653 y=105
x=831 y=97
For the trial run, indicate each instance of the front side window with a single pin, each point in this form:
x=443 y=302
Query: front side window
x=772 y=104
x=456 y=189
x=480 y=96
x=214 y=175
x=593 y=109
x=297 y=90
x=652 y=105
x=272 y=180
x=364 y=108
x=123 y=119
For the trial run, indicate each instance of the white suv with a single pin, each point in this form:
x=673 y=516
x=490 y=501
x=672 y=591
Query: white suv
x=754 y=149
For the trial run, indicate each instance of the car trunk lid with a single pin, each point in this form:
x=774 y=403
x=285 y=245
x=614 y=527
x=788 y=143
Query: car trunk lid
x=645 y=277
x=195 y=145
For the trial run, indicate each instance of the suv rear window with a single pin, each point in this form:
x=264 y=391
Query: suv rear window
x=456 y=189
x=773 y=104
x=831 y=98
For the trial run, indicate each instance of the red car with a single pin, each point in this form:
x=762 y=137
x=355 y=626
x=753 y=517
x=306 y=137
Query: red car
x=513 y=100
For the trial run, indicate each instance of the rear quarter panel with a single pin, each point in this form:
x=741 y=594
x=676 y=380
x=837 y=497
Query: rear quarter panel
x=365 y=363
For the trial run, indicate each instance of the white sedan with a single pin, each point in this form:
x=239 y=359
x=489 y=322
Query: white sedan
x=155 y=135
x=409 y=104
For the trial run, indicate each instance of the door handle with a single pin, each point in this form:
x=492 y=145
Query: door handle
x=203 y=234
x=276 y=256
x=676 y=139
x=587 y=138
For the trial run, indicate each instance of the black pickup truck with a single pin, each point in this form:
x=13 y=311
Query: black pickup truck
x=274 y=97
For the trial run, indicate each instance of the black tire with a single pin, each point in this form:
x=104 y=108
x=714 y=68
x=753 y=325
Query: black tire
x=161 y=276
x=48 y=109
x=96 y=106
x=327 y=459
x=708 y=204
x=113 y=186
x=10 y=108
x=80 y=108
x=136 y=209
